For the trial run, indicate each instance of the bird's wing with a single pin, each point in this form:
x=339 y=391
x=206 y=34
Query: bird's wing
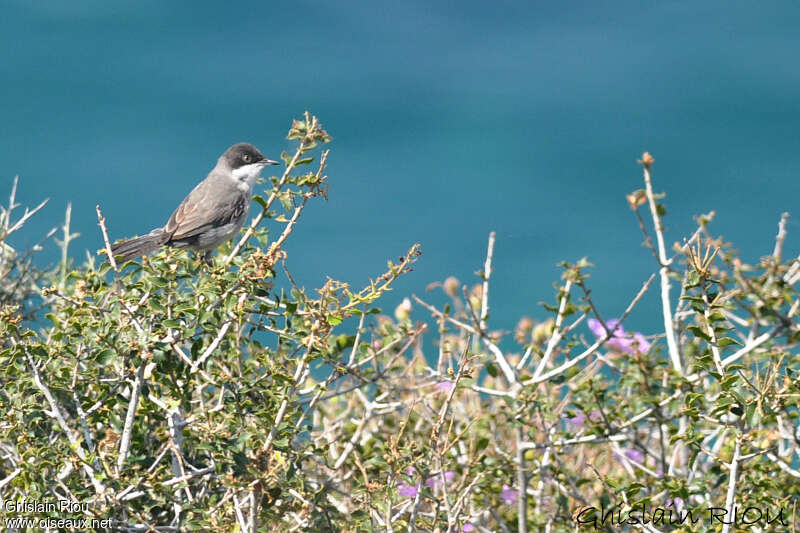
x=203 y=210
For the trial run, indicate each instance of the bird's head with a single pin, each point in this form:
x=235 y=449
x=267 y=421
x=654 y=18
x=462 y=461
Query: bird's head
x=245 y=162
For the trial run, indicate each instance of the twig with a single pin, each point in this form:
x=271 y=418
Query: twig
x=572 y=442
x=102 y=222
x=298 y=375
x=214 y=344
x=780 y=237
x=487 y=273
x=602 y=438
x=65 y=246
x=239 y=514
x=715 y=353
x=462 y=325
x=502 y=362
x=508 y=372
x=8 y=229
x=783 y=466
x=750 y=346
x=6 y=480
x=350 y=446
x=555 y=338
x=273 y=195
x=666 y=306
x=290 y=225
x=125 y=441
x=591 y=349
x=522 y=483
x=414 y=511
x=55 y=412
x=12 y=204
x=730 y=498
x=333 y=375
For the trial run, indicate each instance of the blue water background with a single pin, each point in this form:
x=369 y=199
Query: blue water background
x=450 y=119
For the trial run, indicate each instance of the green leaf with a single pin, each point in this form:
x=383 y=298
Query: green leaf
x=260 y=201
x=698 y=332
x=729 y=381
x=752 y=416
x=286 y=201
x=727 y=341
x=345 y=341
x=105 y=356
x=716 y=316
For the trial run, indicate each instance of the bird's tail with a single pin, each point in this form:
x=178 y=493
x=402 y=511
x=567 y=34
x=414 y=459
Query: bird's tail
x=138 y=246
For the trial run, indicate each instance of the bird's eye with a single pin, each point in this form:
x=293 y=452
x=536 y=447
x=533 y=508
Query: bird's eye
x=246 y=158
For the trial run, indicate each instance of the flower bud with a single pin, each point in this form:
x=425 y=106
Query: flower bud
x=542 y=332
x=403 y=311
x=450 y=286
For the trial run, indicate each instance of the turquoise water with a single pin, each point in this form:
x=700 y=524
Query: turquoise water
x=450 y=119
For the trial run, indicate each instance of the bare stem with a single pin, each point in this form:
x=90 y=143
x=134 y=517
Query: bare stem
x=780 y=237
x=487 y=273
x=522 y=483
x=731 y=496
x=102 y=222
x=666 y=306
x=125 y=441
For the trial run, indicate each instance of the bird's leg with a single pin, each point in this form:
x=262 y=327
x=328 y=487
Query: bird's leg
x=203 y=257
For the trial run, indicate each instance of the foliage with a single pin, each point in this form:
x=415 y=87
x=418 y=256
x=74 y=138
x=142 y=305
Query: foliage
x=170 y=396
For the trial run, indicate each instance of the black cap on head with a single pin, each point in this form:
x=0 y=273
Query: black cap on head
x=242 y=154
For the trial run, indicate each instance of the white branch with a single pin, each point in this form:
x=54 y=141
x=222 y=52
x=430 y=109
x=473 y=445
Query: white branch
x=487 y=273
x=56 y=413
x=125 y=441
x=666 y=306
x=730 y=498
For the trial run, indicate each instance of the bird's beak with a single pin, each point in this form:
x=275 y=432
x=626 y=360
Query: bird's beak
x=266 y=162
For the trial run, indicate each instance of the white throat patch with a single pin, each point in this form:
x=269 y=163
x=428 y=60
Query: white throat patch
x=247 y=175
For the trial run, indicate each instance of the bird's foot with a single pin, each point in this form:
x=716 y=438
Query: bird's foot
x=205 y=258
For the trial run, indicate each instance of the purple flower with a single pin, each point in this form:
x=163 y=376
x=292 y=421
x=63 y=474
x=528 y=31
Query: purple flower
x=676 y=501
x=599 y=331
x=577 y=420
x=466 y=528
x=640 y=342
x=410 y=471
x=444 y=386
x=634 y=455
x=434 y=481
x=409 y=491
x=508 y=495
x=580 y=419
x=619 y=341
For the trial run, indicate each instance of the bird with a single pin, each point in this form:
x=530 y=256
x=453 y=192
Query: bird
x=211 y=214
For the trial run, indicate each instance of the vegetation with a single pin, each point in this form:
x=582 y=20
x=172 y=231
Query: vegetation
x=164 y=395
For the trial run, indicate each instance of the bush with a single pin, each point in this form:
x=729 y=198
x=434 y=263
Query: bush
x=166 y=395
